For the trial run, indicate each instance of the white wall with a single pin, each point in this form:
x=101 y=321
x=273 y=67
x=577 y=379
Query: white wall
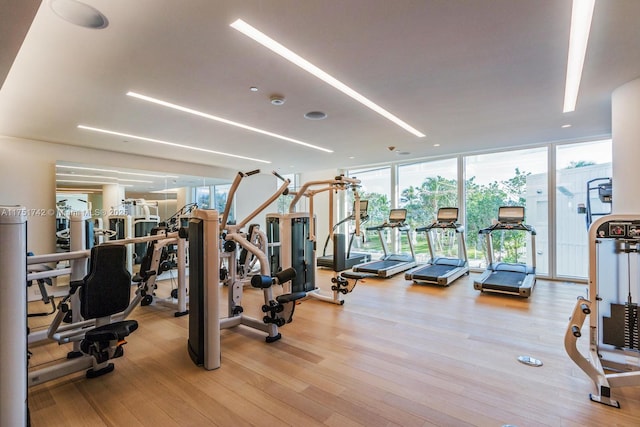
x=625 y=127
x=27 y=178
x=320 y=204
x=253 y=191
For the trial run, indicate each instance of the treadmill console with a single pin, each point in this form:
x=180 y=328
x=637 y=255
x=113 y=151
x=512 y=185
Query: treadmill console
x=397 y=216
x=511 y=214
x=364 y=208
x=447 y=215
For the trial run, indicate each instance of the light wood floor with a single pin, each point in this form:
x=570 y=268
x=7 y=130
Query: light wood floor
x=396 y=354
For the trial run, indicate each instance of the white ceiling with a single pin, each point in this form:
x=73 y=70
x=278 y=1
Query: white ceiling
x=471 y=74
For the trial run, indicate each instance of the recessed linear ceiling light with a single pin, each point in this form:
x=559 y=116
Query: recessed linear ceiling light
x=115 y=171
x=167 y=191
x=173 y=144
x=581 y=15
x=276 y=47
x=221 y=120
x=103 y=177
x=78 y=190
x=90 y=182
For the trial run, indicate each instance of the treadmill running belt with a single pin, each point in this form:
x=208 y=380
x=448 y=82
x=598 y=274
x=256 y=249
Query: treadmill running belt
x=432 y=272
x=374 y=267
x=504 y=280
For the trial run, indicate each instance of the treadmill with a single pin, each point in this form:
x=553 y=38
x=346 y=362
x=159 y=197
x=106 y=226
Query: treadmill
x=442 y=270
x=503 y=277
x=348 y=260
x=390 y=264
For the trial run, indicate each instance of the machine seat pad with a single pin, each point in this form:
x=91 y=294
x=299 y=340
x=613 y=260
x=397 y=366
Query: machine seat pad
x=112 y=331
x=143 y=276
x=357 y=275
x=294 y=296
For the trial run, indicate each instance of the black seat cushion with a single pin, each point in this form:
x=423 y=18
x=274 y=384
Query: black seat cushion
x=285 y=298
x=112 y=331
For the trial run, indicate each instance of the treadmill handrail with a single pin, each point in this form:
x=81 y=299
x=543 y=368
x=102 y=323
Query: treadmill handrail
x=519 y=226
x=441 y=225
x=402 y=226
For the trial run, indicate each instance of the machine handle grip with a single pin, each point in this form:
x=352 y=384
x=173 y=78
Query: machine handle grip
x=585 y=308
x=285 y=275
x=253 y=172
x=278 y=175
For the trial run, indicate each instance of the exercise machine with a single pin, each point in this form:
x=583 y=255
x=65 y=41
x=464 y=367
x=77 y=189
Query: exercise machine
x=344 y=260
x=292 y=239
x=13 y=325
x=165 y=253
x=515 y=278
x=205 y=245
x=442 y=270
x=613 y=360
x=602 y=187
x=134 y=218
x=390 y=263
x=68 y=325
x=102 y=293
x=180 y=218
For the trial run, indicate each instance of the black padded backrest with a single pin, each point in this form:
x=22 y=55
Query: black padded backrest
x=106 y=290
x=145 y=264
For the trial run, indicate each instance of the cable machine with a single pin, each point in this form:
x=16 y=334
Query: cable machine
x=612 y=307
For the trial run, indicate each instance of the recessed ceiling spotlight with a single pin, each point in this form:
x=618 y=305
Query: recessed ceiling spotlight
x=315 y=115
x=225 y=121
x=566 y=126
x=352 y=157
x=79 y=13
x=296 y=59
x=277 y=99
x=436 y=145
x=253 y=89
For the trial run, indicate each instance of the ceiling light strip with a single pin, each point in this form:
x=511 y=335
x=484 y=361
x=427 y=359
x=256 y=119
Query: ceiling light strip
x=102 y=177
x=291 y=56
x=76 y=190
x=90 y=182
x=172 y=144
x=115 y=171
x=222 y=120
x=581 y=16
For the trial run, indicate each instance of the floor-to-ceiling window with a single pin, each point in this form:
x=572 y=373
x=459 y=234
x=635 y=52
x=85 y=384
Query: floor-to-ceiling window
x=376 y=189
x=516 y=178
x=580 y=170
x=423 y=188
x=220 y=196
x=203 y=197
x=285 y=200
